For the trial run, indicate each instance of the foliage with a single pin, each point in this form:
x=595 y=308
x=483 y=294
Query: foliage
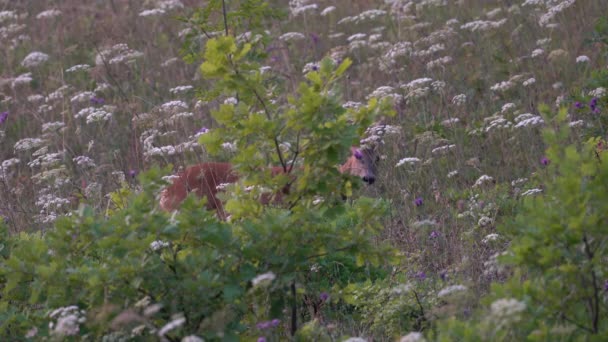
x=557 y=290
x=139 y=272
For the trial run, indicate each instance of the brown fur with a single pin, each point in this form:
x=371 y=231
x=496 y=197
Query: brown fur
x=203 y=179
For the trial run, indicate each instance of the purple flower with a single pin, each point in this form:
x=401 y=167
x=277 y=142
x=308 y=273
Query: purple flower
x=263 y=325
x=132 y=173
x=3 y=117
x=324 y=296
x=261 y=339
x=579 y=105
x=315 y=38
x=268 y=324
x=434 y=235
x=203 y=130
x=443 y=275
x=593 y=105
x=358 y=154
x=420 y=275
x=545 y=161
x=97 y=100
x=418 y=201
x=606 y=285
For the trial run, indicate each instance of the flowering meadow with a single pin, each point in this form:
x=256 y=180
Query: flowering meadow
x=487 y=220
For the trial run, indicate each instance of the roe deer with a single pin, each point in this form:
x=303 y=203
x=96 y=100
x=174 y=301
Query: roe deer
x=203 y=179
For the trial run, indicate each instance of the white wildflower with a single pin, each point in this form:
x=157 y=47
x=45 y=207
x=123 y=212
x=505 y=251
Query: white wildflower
x=303 y=9
x=531 y=192
x=490 y=237
x=482 y=180
x=401 y=289
x=35 y=98
x=546 y=18
x=8 y=15
x=231 y=100
x=229 y=146
x=443 y=149
x=413 y=337
x=450 y=122
x=452 y=173
x=537 y=53
x=355 y=339
x=446 y=291
x=34 y=59
x=28 y=144
x=441 y=61
x=327 y=10
x=263 y=279
x=83 y=96
x=582 y=59
x=84 y=162
x=507 y=107
x=22 y=79
x=313 y=66
x=181 y=89
x=352 y=104
x=483 y=25
x=158 y=245
x=152 y=12
x=506 y=311
x=598 y=92
x=292 y=36
x=577 y=123
x=459 y=100
x=409 y=160
x=78 y=67
x=528 y=120
x=484 y=221
x=356 y=36
x=424 y=223
x=174 y=324
x=502 y=86
x=529 y=81
x=10 y=162
x=192 y=338
x=52 y=13
x=173 y=106
x=169 y=62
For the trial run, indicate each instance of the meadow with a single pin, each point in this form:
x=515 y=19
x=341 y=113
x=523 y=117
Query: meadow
x=487 y=220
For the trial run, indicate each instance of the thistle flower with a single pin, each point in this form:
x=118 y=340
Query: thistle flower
x=324 y=296
x=418 y=201
x=3 y=117
x=545 y=161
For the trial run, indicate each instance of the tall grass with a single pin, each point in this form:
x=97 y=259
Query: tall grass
x=113 y=97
